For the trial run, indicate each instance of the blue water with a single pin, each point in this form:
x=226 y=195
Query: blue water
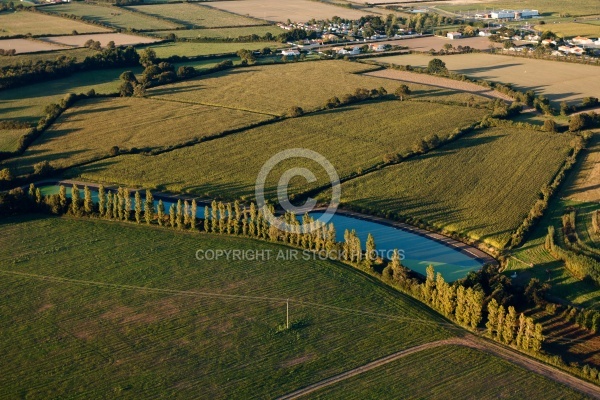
x=417 y=252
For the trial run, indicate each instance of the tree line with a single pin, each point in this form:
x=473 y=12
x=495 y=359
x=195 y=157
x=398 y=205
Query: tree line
x=581 y=266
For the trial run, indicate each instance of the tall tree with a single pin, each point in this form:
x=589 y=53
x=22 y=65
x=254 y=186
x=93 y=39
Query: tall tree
x=172 y=216
x=429 y=284
x=510 y=323
x=500 y=324
x=138 y=207
x=492 y=322
x=538 y=338
x=101 y=200
x=179 y=214
x=109 y=205
x=149 y=207
x=370 y=251
x=193 y=212
x=521 y=330
x=214 y=217
x=62 y=195
x=206 y=219
x=127 y=204
x=161 y=212
x=75 y=200
x=88 y=203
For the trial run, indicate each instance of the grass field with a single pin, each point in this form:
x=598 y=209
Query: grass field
x=196 y=16
x=88 y=130
x=351 y=138
x=545 y=7
x=276 y=88
x=556 y=80
x=9 y=138
x=224 y=32
x=569 y=30
x=23 y=23
x=23 y=46
x=113 y=16
x=79 y=54
x=585 y=186
x=153 y=333
x=482 y=185
x=440 y=373
x=164 y=50
x=120 y=39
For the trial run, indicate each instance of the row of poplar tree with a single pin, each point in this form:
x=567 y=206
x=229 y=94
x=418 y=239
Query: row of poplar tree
x=504 y=326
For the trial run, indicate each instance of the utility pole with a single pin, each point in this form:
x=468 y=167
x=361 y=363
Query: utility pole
x=287 y=314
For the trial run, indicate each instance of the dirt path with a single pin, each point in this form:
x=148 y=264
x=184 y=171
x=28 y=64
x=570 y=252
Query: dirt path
x=471 y=341
x=438 y=81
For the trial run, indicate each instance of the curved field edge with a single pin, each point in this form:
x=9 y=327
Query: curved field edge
x=154 y=318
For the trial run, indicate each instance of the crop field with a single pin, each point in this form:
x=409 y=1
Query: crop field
x=88 y=130
x=165 y=50
x=281 y=11
x=482 y=185
x=586 y=184
x=196 y=16
x=27 y=103
x=9 y=138
x=556 y=80
x=79 y=54
x=348 y=139
x=113 y=16
x=120 y=39
x=224 y=32
x=572 y=29
x=447 y=367
x=23 y=46
x=87 y=302
x=276 y=88
x=23 y=23
x=545 y=7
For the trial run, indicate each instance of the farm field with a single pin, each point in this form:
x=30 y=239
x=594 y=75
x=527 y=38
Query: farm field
x=585 y=186
x=165 y=50
x=489 y=378
x=120 y=39
x=113 y=16
x=546 y=7
x=88 y=130
x=569 y=30
x=556 y=80
x=9 y=138
x=437 y=43
x=23 y=46
x=224 y=32
x=455 y=189
x=27 y=103
x=79 y=54
x=144 y=308
x=37 y=24
x=196 y=16
x=296 y=11
x=344 y=136
x=275 y=88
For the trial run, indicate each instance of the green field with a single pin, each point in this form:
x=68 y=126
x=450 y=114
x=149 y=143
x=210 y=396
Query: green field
x=23 y=23
x=107 y=309
x=448 y=372
x=88 y=130
x=569 y=30
x=556 y=80
x=80 y=54
x=165 y=50
x=196 y=16
x=482 y=185
x=351 y=138
x=276 y=88
x=233 y=33
x=113 y=16
x=9 y=138
x=545 y=7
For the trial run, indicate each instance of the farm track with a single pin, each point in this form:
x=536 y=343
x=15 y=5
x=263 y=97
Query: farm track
x=470 y=341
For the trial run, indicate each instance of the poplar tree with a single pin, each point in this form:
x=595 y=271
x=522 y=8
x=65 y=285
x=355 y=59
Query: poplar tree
x=538 y=338
x=186 y=213
x=121 y=204
x=138 y=207
x=221 y=217
x=149 y=207
x=214 y=217
x=244 y=227
x=510 y=322
x=179 y=219
x=161 y=213
x=127 y=205
x=370 y=255
x=206 y=219
x=62 y=195
x=448 y=299
x=101 y=200
x=476 y=307
x=229 y=218
x=193 y=212
x=492 y=322
x=429 y=284
x=31 y=191
x=115 y=212
x=459 y=311
x=500 y=324
x=109 y=205
x=38 y=196
x=252 y=220
x=75 y=200
x=237 y=216
x=521 y=331
x=88 y=203
x=172 y=216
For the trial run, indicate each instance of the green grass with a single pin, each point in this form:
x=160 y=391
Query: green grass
x=276 y=88
x=80 y=54
x=196 y=16
x=351 y=138
x=165 y=50
x=569 y=30
x=482 y=185
x=88 y=130
x=133 y=340
x=9 y=138
x=545 y=7
x=224 y=32
x=23 y=23
x=113 y=16
x=448 y=372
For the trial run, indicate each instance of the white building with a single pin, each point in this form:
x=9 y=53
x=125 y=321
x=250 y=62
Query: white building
x=512 y=14
x=290 y=52
x=454 y=35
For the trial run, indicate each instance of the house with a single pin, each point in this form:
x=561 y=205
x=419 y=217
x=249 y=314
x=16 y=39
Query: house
x=548 y=42
x=532 y=38
x=454 y=35
x=290 y=52
x=571 y=50
x=355 y=50
x=484 y=33
x=582 y=40
x=377 y=47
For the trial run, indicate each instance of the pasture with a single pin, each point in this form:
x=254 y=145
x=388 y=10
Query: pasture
x=79 y=54
x=120 y=39
x=545 y=7
x=97 y=308
x=351 y=138
x=9 y=138
x=585 y=186
x=296 y=11
x=571 y=29
x=275 y=88
x=439 y=373
x=233 y=33
x=482 y=185
x=190 y=49
x=37 y=24
x=114 y=16
x=196 y=16
x=24 y=46
x=88 y=130
x=556 y=80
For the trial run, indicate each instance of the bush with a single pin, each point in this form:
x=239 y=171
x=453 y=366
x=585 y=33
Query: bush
x=295 y=112
x=114 y=151
x=42 y=169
